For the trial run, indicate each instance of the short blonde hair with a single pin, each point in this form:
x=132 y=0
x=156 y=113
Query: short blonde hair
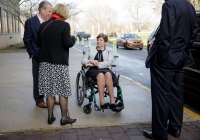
x=61 y=10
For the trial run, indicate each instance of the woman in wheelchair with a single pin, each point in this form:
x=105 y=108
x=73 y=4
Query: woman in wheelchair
x=98 y=62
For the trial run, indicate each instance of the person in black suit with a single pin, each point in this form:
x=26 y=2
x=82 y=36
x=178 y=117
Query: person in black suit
x=171 y=49
x=54 y=40
x=30 y=36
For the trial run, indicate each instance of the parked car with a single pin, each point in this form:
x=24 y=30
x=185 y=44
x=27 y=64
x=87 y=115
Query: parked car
x=83 y=35
x=129 y=40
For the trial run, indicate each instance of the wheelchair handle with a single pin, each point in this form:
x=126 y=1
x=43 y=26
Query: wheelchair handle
x=113 y=65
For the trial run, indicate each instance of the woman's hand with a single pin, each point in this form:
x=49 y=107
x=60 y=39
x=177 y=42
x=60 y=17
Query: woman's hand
x=94 y=62
x=89 y=65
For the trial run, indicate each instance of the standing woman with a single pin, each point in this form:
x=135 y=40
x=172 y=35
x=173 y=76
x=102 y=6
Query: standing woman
x=55 y=40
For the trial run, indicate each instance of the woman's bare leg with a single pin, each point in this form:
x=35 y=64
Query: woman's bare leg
x=101 y=85
x=109 y=85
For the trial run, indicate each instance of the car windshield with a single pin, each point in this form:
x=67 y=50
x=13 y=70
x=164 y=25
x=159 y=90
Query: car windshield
x=130 y=36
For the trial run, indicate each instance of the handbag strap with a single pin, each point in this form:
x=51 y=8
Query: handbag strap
x=45 y=27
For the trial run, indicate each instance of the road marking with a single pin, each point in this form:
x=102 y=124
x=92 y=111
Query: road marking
x=137 y=83
x=123 y=64
x=191 y=113
x=77 y=49
x=133 y=60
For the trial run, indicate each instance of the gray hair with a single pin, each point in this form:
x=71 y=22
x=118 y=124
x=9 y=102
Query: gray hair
x=44 y=5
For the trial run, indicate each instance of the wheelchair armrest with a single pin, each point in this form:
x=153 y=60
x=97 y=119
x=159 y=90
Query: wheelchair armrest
x=83 y=67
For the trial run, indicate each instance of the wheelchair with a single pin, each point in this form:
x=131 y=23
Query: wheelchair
x=86 y=84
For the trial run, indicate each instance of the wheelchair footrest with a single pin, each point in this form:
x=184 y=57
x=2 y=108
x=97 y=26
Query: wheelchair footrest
x=96 y=107
x=119 y=107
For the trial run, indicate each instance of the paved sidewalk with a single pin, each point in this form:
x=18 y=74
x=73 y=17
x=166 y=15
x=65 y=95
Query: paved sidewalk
x=190 y=131
x=20 y=118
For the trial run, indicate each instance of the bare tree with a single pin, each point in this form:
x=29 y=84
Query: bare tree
x=195 y=3
x=102 y=16
x=134 y=14
x=29 y=8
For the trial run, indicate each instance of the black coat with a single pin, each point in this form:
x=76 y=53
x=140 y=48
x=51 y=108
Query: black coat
x=176 y=33
x=30 y=35
x=55 y=41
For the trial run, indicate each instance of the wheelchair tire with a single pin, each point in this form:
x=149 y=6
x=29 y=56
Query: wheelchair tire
x=87 y=109
x=80 y=92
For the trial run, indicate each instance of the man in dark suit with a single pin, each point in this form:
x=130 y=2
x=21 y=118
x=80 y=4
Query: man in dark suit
x=172 y=42
x=30 y=38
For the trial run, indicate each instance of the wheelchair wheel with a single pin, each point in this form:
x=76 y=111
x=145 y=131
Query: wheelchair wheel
x=87 y=109
x=80 y=89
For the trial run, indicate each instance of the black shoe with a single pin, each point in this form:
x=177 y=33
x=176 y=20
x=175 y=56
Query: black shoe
x=51 y=119
x=112 y=106
x=174 y=133
x=68 y=121
x=150 y=135
x=105 y=106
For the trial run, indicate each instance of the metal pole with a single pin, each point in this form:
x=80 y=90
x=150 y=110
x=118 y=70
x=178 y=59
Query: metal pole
x=82 y=42
x=114 y=48
x=89 y=43
x=77 y=41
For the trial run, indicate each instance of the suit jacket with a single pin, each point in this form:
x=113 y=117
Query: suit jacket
x=108 y=56
x=55 y=42
x=176 y=33
x=30 y=35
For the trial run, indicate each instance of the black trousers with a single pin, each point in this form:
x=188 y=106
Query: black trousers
x=167 y=99
x=35 y=71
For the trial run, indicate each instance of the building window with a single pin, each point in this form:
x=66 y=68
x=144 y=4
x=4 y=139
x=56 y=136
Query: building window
x=5 y=21
x=16 y=25
x=10 y=23
x=0 y=22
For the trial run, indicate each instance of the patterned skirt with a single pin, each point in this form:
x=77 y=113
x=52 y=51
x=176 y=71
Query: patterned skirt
x=54 y=80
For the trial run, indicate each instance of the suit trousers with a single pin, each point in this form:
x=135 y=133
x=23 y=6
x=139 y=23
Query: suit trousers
x=167 y=99
x=35 y=72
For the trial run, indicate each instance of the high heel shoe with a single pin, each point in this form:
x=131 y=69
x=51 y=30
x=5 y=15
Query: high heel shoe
x=51 y=119
x=67 y=121
x=112 y=106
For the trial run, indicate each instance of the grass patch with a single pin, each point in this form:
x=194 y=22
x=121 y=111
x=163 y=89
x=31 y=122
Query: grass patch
x=111 y=39
x=144 y=38
x=15 y=48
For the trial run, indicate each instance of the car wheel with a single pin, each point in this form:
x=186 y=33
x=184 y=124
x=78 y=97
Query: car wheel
x=117 y=46
x=140 y=48
x=125 y=47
